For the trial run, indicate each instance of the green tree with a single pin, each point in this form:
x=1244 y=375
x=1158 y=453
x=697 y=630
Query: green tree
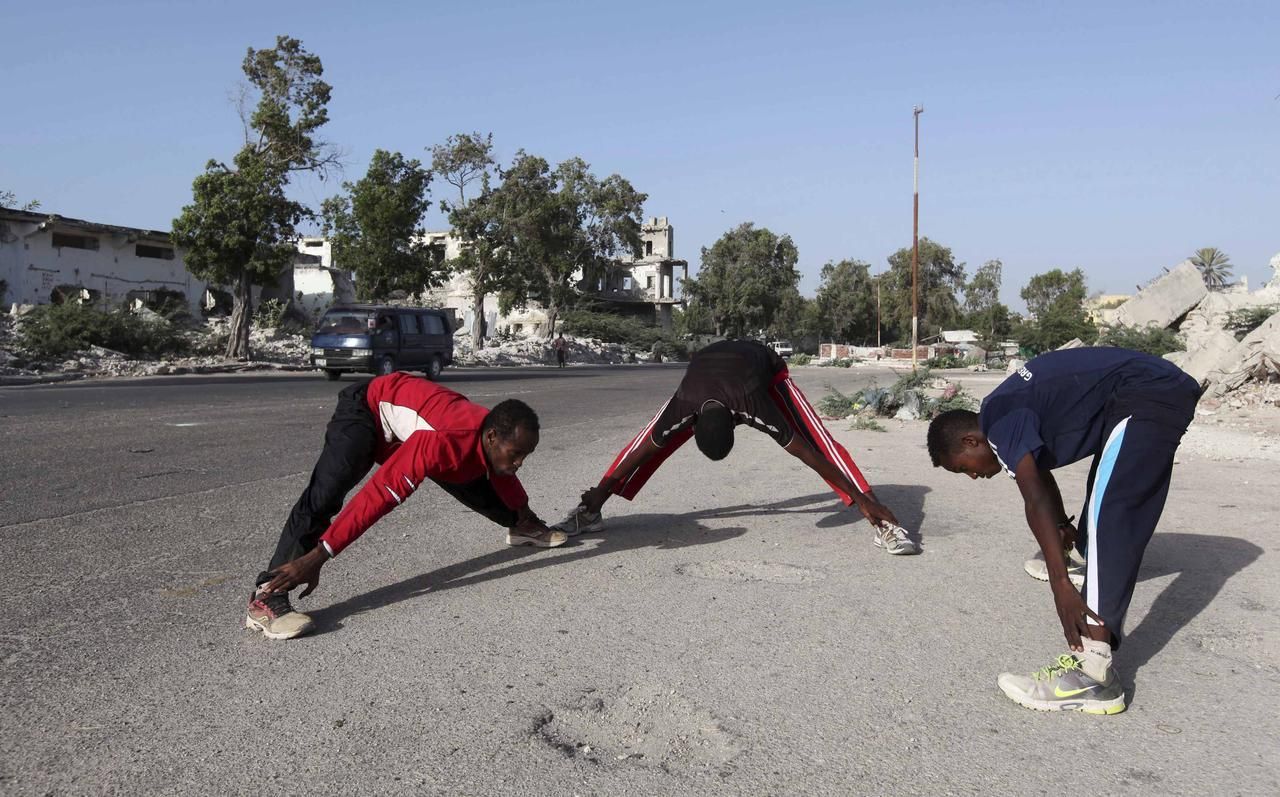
x=1215 y=267
x=1055 y=300
x=797 y=319
x=941 y=281
x=743 y=279
x=240 y=227
x=8 y=199
x=376 y=228
x=984 y=312
x=846 y=301
x=559 y=226
x=463 y=159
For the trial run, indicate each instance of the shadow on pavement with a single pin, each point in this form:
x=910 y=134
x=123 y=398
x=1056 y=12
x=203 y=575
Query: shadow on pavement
x=906 y=501
x=1204 y=563
x=625 y=533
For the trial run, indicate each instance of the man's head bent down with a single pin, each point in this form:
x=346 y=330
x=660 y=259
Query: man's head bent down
x=956 y=443
x=713 y=430
x=508 y=434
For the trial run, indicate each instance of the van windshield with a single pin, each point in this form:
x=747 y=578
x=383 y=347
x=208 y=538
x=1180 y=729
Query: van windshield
x=344 y=322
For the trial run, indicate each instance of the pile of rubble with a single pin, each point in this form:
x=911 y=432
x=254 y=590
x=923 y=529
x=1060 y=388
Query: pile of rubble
x=538 y=351
x=1223 y=364
x=271 y=349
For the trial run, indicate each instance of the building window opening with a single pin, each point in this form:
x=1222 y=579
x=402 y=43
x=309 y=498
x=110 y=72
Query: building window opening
x=648 y=248
x=158 y=252
x=65 y=240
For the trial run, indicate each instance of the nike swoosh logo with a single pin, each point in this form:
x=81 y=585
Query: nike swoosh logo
x=1058 y=691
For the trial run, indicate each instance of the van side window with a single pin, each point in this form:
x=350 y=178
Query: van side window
x=432 y=324
x=408 y=324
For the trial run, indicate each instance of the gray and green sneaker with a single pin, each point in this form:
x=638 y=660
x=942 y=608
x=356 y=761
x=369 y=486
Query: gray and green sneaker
x=1065 y=686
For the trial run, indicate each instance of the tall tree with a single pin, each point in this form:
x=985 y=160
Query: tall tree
x=744 y=277
x=983 y=309
x=240 y=227
x=1055 y=300
x=941 y=281
x=1215 y=267
x=558 y=225
x=376 y=228
x=846 y=301
x=461 y=160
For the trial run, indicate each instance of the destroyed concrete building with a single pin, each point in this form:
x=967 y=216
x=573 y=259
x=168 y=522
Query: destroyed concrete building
x=649 y=286
x=46 y=258
x=1179 y=300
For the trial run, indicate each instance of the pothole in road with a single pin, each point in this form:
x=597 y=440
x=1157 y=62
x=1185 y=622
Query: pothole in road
x=742 y=571
x=639 y=726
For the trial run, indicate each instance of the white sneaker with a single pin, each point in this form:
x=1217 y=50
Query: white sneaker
x=580 y=521
x=1037 y=569
x=894 y=540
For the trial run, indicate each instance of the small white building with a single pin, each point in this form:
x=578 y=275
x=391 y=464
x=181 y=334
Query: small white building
x=46 y=258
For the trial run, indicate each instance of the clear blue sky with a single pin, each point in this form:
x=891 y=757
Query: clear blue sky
x=1117 y=137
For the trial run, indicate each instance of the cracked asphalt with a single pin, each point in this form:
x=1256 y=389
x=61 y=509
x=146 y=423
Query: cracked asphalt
x=733 y=631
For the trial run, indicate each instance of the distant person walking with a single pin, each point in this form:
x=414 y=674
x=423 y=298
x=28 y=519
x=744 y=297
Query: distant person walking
x=561 y=346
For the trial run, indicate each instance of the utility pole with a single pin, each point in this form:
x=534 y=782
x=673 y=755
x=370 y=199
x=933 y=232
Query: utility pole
x=878 y=311
x=915 y=247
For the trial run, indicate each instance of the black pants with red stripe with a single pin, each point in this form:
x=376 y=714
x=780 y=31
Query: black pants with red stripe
x=350 y=448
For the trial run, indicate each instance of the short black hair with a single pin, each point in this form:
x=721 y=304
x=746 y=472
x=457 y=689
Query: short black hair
x=713 y=431
x=946 y=430
x=508 y=416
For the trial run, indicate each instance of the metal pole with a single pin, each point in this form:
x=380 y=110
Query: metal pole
x=915 y=246
x=877 y=312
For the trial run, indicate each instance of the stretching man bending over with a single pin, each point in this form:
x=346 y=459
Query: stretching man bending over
x=1126 y=410
x=416 y=430
x=730 y=383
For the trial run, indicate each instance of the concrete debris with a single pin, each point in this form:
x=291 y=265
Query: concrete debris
x=1254 y=359
x=1074 y=343
x=1165 y=300
x=1207 y=355
x=1014 y=365
x=538 y=351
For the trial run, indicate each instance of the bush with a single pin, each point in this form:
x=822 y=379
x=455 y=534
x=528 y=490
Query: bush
x=1242 y=322
x=945 y=361
x=625 y=330
x=836 y=404
x=843 y=362
x=864 y=423
x=271 y=314
x=57 y=329
x=800 y=359
x=1152 y=340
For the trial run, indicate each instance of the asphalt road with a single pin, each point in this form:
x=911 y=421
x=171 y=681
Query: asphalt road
x=732 y=632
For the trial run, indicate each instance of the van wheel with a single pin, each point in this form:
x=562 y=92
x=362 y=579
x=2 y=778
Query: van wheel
x=387 y=365
x=332 y=375
x=434 y=368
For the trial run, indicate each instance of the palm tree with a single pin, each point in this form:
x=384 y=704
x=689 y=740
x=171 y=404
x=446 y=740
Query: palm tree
x=1214 y=265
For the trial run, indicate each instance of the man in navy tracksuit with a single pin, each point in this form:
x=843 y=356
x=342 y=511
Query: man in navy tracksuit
x=1128 y=411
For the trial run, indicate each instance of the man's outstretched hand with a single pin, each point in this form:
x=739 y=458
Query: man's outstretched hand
x=594 y=498
x=1073 y=613
x=303 y=570
x=876 y=512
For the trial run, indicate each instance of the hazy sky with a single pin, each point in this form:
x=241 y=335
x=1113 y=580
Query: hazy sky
x=1117 y=137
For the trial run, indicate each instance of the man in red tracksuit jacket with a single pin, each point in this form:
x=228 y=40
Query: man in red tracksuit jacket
x=414 y=430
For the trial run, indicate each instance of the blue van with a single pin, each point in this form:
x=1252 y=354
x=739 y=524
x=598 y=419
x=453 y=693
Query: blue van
x=379 y=339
